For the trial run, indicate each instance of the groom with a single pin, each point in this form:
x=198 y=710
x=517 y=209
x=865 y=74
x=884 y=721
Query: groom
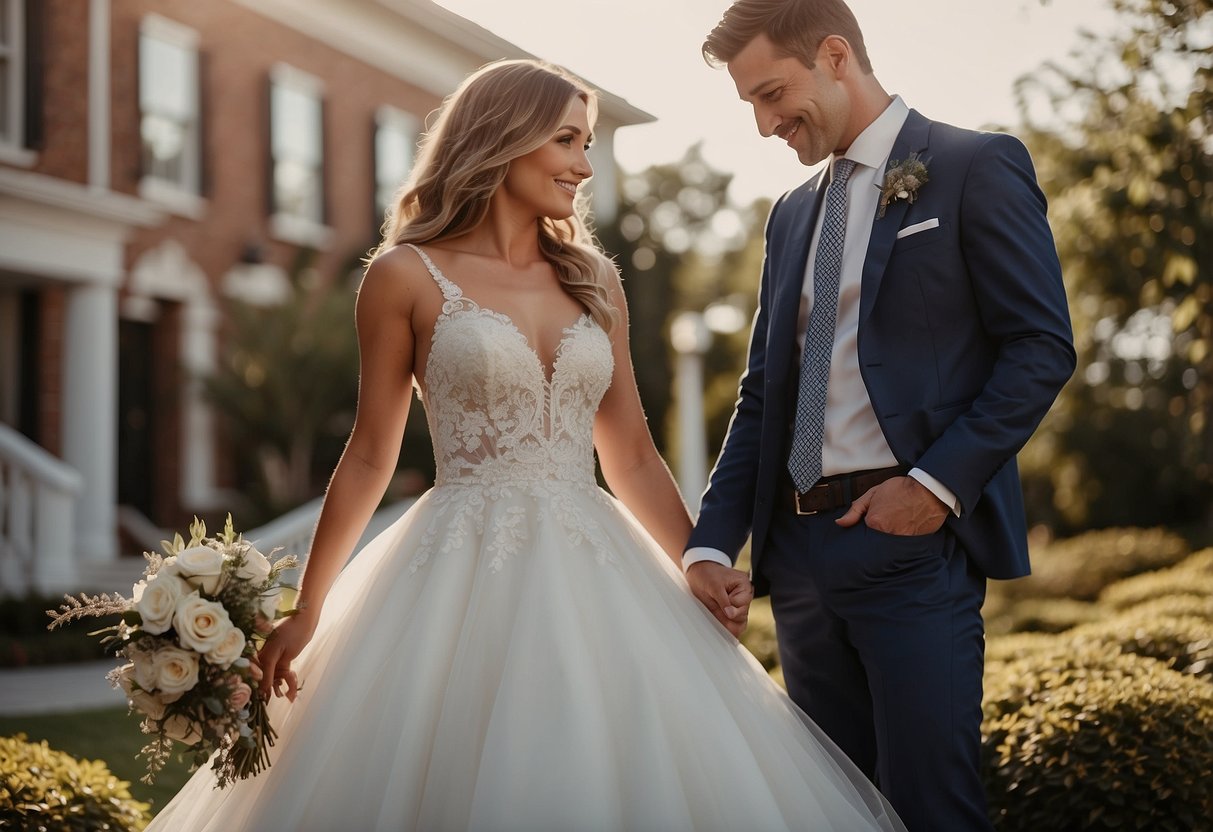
x=911 y=333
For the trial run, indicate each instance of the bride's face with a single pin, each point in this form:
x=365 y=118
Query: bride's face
x=544 y=182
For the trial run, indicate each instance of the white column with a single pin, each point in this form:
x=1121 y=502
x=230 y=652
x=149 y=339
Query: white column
x=99 y=94
x=199 y=356
x=90 y=414
x=691 y=339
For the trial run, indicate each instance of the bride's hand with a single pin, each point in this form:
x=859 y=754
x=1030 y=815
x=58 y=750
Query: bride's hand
x=281 y=647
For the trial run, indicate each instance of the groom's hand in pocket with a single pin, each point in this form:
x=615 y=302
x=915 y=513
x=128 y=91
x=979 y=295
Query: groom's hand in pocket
x=900 y=506
x=726 y=593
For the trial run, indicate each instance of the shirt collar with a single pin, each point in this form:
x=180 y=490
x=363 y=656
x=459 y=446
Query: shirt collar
x=872 y=147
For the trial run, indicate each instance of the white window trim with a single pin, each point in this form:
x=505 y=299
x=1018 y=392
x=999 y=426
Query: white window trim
x=13 y=141
x=300 y=231
x=389 y=116
x=173 y=197
x=167 y=192
x=289 y=228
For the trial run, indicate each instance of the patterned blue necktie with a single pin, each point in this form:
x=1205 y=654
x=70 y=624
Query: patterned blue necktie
x=804 y=462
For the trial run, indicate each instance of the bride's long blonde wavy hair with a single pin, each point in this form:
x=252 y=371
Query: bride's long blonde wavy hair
x=502 y=111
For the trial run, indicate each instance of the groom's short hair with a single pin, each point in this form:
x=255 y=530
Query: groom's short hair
x=795 y=27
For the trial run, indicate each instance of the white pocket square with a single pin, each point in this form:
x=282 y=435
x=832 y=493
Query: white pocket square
x=918 y=226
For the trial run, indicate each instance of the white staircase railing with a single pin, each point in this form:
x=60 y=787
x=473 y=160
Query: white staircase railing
x=37 y=518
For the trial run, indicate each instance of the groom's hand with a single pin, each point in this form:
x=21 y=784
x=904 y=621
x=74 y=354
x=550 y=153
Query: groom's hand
x=726 y=593
x=901 y=505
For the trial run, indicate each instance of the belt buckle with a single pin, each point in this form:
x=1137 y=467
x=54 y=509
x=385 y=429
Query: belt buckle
x=796 y=501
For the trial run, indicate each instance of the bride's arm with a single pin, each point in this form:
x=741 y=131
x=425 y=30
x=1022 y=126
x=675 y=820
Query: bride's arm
x=633 y=469
x=386 y=346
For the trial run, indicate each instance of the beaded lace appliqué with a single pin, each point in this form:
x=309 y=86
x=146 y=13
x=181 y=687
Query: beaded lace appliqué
x=500 y=425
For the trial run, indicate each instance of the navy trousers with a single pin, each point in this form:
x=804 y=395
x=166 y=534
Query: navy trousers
x=882 y=644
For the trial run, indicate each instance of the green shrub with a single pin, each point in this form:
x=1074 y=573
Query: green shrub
x=1192 y=576
x=45 y=789
x=1043 y=615
x=1093 y=738
x=1183 y=643
x=1008 y=648
x=1079 y=567
x=759 y=635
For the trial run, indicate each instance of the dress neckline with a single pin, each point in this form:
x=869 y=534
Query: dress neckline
x=453 y=294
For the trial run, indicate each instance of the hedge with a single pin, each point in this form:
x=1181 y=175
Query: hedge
x=44 y=789
x=1089 y=737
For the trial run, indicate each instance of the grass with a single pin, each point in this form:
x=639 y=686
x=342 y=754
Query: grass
x=110 y=735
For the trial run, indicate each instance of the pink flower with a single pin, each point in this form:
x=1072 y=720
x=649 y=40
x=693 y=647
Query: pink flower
x=240 y=697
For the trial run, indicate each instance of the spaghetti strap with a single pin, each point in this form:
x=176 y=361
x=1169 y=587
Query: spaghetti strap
x=450 y=291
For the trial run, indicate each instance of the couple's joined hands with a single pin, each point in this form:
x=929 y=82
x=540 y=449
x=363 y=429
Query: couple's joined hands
x=898 y=506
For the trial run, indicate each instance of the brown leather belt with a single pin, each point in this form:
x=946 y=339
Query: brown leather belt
x=840 y=490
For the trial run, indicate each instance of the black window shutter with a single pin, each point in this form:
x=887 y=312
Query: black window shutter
x=35 y=51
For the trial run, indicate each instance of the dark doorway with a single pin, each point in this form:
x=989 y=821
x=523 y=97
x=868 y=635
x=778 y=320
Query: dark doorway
x=136 y=422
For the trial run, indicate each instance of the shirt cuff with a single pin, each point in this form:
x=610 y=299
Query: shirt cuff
x=702 y=553
x=937 y=488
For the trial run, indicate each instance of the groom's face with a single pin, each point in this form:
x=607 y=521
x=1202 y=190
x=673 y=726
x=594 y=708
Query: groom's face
x=807 y=108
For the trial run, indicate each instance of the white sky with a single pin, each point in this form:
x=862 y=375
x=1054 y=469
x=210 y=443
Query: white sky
x=954 y=60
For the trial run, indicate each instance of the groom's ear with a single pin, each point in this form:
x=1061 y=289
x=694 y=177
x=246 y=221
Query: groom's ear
x=835 y=55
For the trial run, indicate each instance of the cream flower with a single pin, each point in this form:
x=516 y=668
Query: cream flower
x=176 y=672
x=144 y=664
x=183 y=729
x=202 y=566
x=156 y=601
x=228 y=650
x=141 y=699
x=269 y=601
x=201 y=624
x=256 y=566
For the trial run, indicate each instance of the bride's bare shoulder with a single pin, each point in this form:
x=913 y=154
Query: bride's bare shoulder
x=394 y=278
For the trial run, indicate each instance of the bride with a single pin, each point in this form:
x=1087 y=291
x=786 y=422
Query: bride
x=519 y=651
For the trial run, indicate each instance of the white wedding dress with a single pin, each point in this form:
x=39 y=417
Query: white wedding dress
x=516 y=652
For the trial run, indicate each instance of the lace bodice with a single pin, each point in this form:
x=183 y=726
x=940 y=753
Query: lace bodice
x=495 y=416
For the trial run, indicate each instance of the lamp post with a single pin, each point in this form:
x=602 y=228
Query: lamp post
x=690 y=337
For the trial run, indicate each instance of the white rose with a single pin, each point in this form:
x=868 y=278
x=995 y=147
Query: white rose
x=176 y=672
x=143 y=701
x=144 y=664
x=228 y=650
x=201 y=624
x=202 y=566
x=256 y=566
x=156 y=601
x=181 y=728
x=269 y=602
x=169 y=566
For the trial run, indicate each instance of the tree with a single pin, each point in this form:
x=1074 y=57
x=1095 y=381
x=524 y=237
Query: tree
x=681 y=244
x=1129 y=174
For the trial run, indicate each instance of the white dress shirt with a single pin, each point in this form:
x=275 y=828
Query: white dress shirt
x=853 y=438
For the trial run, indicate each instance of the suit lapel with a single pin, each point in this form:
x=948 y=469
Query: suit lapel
x=911 y=139
x=798 y=232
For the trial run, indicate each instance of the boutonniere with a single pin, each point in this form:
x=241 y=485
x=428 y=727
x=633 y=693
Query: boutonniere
x=902 y=181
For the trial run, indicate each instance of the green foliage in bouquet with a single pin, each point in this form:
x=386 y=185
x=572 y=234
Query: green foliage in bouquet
x=1089 y=737
x=1192 y=576
x=1080 y=567
x=41 y=788
x=188 y=635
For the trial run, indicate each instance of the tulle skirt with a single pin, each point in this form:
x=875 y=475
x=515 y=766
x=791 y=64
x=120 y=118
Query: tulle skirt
x=524 y=657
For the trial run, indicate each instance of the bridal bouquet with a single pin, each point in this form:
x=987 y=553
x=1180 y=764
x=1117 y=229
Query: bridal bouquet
x=186 y=638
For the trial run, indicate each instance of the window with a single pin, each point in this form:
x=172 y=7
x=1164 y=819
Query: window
x=169 y=123
x=12 y=74
x=395 y=146
x=296 y=148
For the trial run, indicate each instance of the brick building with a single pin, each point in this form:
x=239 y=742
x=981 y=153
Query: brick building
x=157 y=156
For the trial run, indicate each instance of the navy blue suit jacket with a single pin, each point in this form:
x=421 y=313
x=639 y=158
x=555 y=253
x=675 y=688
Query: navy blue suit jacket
x=964 y=341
